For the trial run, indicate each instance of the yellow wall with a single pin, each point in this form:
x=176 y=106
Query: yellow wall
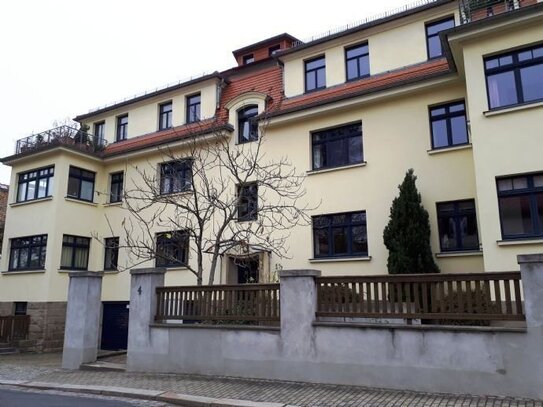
x=396 y=137
x=143 y=116
x=391 y=46
x=504 y=144
x=390 y=148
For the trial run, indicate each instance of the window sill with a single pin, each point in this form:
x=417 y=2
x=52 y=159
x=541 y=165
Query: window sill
x=518 y=242
x=175 y=268
x=246 y=220
x=39 y=271
x=357 y=78
x=81 y=201
x=172 y=194
x=14 y=204
x=67 y=271
x=459 y=254
x=510 y=109
x=340 y=259
x=120 y=203
x=242 y=143
x=308 y=91
x=111 y=271
x=449 y=149
x=343 y=167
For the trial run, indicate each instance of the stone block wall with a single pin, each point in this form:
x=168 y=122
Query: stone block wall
x=464 y=360
x=47 y=322
x=6 y=308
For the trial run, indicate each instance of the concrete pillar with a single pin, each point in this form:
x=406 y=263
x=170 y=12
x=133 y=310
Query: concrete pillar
x=82 y=319
x=531 y=270
x=298 y=307
x=143 y=286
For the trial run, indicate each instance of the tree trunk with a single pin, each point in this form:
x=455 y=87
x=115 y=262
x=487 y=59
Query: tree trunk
x=212 y=269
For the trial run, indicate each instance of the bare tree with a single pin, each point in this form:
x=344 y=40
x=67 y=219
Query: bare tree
x=220 y=195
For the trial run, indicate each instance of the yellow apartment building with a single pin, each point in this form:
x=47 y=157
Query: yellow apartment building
x=452 y=89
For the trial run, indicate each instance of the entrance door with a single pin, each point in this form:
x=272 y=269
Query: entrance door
x=114 y=326
x=247 y=270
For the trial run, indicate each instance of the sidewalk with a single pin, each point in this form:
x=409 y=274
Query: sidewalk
x=43 y=371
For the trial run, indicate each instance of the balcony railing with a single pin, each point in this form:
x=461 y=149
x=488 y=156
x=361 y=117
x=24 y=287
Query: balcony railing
x=474 y=10
x=14 y=327
x=240 y=304
x=61 y=136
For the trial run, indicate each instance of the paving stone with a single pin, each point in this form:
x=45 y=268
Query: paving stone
x=45 y=369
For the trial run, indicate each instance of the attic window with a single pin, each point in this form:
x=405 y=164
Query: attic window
x=248 y=59
x=272 y=50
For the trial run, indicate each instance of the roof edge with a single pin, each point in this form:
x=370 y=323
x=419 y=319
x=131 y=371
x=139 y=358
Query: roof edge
x=364 y=26
x=249 y=47
x=150 y=95
x=199 y=133
x=359 y=93
x=492 y=20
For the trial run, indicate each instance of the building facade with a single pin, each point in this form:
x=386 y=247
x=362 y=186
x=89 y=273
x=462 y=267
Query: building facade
x=451 y=89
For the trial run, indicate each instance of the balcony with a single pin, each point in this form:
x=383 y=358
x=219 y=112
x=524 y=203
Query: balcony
x=474 y=10
x=61 y=136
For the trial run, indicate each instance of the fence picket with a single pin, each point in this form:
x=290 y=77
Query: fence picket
x=465 y=296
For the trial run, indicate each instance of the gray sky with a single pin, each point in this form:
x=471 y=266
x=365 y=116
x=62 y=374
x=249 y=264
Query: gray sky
x=61 y=58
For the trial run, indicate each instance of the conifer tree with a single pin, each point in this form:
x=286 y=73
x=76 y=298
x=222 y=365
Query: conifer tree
x=407 y=235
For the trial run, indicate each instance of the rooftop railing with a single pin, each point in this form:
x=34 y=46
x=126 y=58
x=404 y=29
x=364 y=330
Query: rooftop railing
x=385 y=14
x=61 y=136
x=474 y=10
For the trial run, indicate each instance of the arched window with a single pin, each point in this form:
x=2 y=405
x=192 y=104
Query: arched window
x=247 y=126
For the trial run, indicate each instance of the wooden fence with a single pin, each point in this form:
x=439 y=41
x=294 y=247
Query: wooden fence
x=14 y=327
x=234 y=304
x=447 y=297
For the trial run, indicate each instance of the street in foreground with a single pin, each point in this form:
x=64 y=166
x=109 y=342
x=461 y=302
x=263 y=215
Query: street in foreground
x=43 y=371
x=10 y=397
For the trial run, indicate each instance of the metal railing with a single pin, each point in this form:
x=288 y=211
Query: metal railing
x=63 y=135
x=445 y=297
x=152 y=90
x=234 y=304
x=14 y=327
x=474 y=10
x=364 y=21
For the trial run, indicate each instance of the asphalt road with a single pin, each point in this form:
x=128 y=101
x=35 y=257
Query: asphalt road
x=14 y=398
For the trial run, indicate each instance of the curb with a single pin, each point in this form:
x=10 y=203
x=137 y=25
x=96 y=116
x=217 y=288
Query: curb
x=127 y=392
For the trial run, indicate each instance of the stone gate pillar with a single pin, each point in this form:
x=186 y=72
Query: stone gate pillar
x=531 y=270
x=143 y=284
x=298 y=307
x=82 y=319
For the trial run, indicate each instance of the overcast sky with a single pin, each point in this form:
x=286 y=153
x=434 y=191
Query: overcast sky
x=61 y=58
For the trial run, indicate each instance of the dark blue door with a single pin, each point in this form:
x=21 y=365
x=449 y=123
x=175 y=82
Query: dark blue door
x=114 y=326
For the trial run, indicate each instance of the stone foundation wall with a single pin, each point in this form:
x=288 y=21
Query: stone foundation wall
x=47 y=322
x=6 y=308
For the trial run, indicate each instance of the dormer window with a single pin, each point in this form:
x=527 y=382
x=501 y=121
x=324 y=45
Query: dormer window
x=193 y=108
x=99 y=130
x=357 y=61
x=433 y=42
x=315 y=74
x=273 y=49
x=165 y=116
x=247 y=125
x=248 y=59
x=122 y=128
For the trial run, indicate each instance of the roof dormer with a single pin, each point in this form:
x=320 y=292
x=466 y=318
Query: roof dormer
x=264 y=49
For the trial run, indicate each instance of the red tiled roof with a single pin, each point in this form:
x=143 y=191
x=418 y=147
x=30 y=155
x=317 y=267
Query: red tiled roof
x=362 y=86
x=268 y=81
x=162 y=137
